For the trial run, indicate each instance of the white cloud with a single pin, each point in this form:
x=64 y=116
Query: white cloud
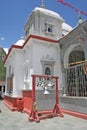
x=2 y=38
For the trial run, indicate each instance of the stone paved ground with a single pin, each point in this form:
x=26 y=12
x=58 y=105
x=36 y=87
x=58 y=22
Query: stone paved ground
x=19 y=121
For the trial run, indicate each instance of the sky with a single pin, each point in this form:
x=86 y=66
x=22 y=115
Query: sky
x=14 y=13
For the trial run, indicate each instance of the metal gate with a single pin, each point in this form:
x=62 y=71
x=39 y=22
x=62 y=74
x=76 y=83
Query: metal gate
x=76 y=81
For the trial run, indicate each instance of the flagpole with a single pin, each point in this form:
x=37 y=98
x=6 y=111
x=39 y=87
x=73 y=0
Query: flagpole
x=42 y=4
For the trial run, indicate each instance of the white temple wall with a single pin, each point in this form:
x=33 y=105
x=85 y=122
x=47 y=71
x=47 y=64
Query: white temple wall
x=47 y=51
x=18 y=81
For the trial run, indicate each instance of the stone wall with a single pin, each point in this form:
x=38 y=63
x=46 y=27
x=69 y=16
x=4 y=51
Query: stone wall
x=77 y=104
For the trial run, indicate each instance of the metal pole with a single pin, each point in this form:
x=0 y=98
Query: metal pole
x=42 y=5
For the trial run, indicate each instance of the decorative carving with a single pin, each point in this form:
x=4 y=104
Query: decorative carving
x=47 y=62
x=47 y=58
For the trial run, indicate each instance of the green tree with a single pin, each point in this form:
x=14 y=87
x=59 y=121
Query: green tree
x=2 y=71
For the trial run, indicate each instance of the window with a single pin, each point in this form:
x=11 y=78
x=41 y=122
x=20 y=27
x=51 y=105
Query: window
x=47 y=65
x=47 y=71
x=48 y=27
x=10 y=84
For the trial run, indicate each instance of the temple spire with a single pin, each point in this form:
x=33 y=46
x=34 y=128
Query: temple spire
x=42 y=4
x=80 y=18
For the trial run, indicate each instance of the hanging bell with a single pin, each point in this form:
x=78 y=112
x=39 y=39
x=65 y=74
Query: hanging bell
x=49 y=84
x=42 y=84
x=46 y=92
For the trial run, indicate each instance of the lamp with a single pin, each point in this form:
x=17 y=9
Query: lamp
x=46 y=91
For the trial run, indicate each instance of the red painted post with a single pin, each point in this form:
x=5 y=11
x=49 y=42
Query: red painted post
x=34 y=113
x=57 y=109
x=33 y=87
x=57 y=90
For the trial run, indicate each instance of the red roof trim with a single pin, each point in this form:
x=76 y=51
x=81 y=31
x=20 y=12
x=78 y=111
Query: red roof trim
x=30 y=36
x=44 y=38
x=13 y=46
x=39 y=38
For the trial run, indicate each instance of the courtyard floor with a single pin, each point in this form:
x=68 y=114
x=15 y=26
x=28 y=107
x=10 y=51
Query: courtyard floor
x=19 y=121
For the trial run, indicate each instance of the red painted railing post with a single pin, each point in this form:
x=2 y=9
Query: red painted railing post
x=34 y=116
x=34 y=111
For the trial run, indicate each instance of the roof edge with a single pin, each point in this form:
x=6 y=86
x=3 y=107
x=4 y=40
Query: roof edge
x=28 y=38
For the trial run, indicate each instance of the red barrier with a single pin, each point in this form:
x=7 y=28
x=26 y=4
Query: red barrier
x=20 y=104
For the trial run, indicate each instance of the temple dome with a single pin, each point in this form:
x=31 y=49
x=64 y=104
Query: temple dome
x=6 y=50
x=20 y=42
x=66 y=28
x=47 y=12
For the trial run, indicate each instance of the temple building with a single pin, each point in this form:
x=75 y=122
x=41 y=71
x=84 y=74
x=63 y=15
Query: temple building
x=50 y=47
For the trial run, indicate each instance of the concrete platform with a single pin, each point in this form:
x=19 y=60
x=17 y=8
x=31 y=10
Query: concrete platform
x=10 y=120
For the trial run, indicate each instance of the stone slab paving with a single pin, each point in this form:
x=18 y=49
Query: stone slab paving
x=19 y=121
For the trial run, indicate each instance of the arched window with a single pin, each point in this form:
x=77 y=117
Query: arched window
x=76 y=56
x=47 y=65
x=47 y=71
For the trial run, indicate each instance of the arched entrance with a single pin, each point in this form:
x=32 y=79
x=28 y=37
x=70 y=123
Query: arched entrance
x=76 y=79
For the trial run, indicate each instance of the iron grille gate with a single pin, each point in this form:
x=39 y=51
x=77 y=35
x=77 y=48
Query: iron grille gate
x=76 y=81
